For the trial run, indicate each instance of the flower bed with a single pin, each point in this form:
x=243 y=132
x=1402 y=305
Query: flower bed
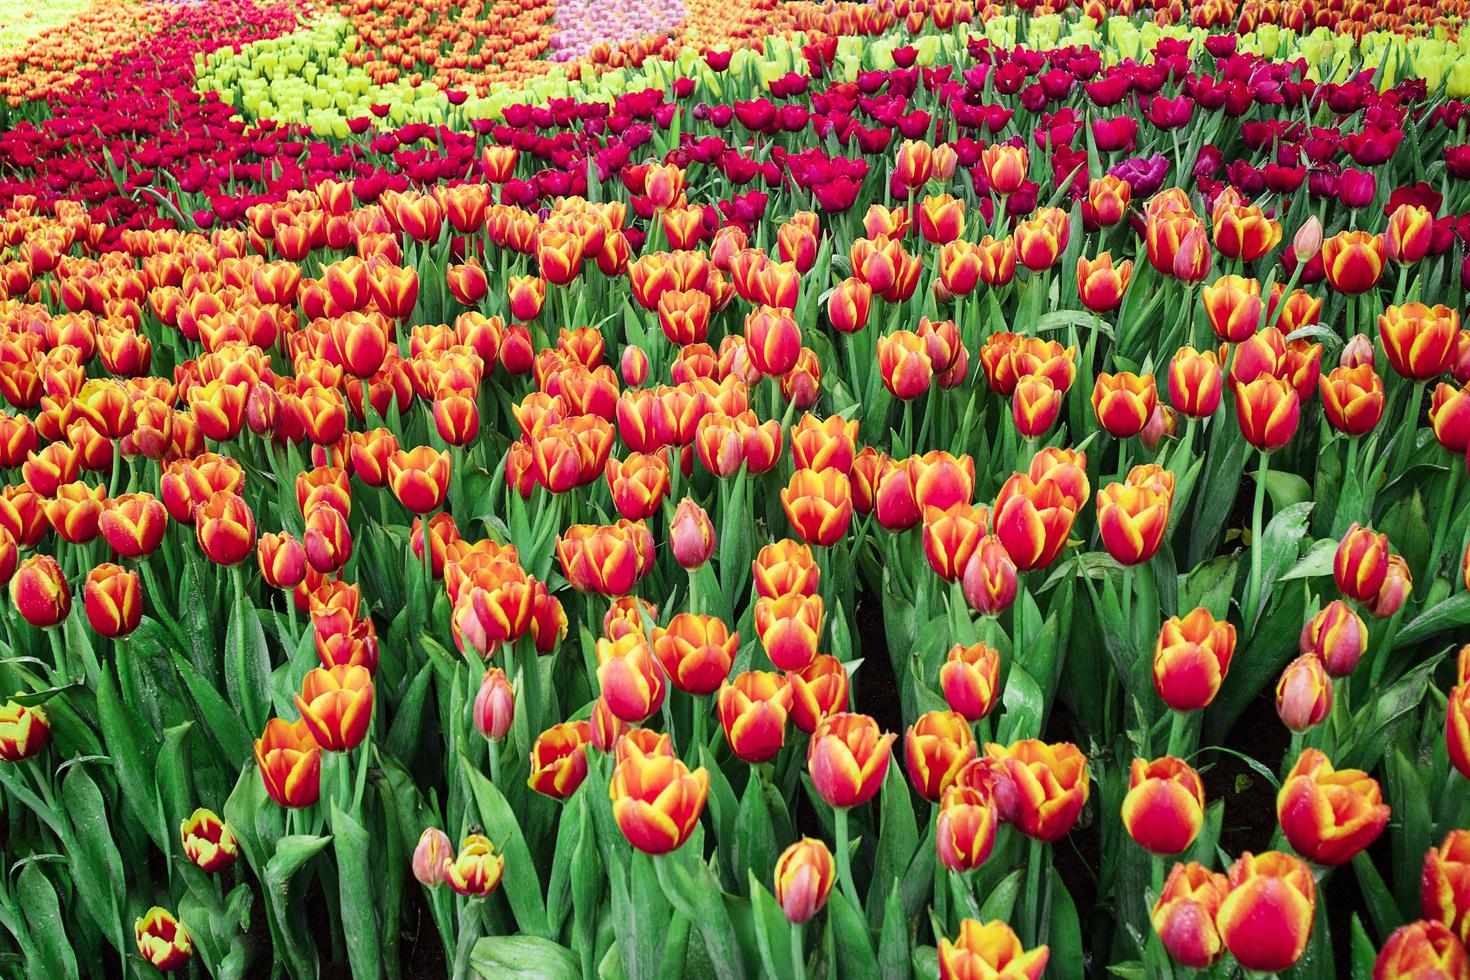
x=797 y=492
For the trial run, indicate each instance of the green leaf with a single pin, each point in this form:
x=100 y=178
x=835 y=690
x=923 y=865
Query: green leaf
x=898 y=838
x=772 y=930
x=357 y=894
x=893 y=941
x=509 y=957
x=284 y=894
x=854 y=943
x=405 y=735
x=1362 y=950
x=521 y=883
x=134 y=759
x=1382 y=908
x=44 y=922
x=1451 y=614
x=1286 y=489
x=247 y=664
x=1280 y=543
x=691 y=888
x=753 y=846
x=1002 y=898
x=1065 y=935
x=568 y=837
x=1375 y=725
x=215 y=714
x=96 y=865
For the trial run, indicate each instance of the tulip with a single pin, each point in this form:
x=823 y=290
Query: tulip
x=951 y=537
x=1046 y=786
x=1353 y=261
x=997 y=260
x=1005 y=167
x=432 y=857
x=1449 y=416
x=695 y=651
x=1419 y=340
x=1039 y=242
x=1329 y=815
x=1165 y=805
x=773 y=340
x=753 y=709
x=849 y=304
x=1191 y=659
x=965 y=828
x=990 y=578
x=969 y=678
x=657 y=801
x=1397 y=585
x=936 y=748
x=1266 y=918
x=1108 y=197
x=24 y=731
x=208 y=841
x=1353 y=399
x=336 y=706
x=914 y=163
x=789 y=627
x=1410 y=233
x=905 y=364
x=162 y=940
x=1360 y=565
x=818 y=504
x=1422 y=950
x=282 y=560
x=526 y=296
x=803 y=878
x=290 y=763
x=559 y=759
x=39 y=592
x=1337 y=635
x=1032 y=520
x=785 y=567
x=1268 y=411
x=477 y=868
x=848 y=758
x=1132 y=521
x=419 y=479
x=691 y=535
x=989 y=950
x=74 y=511
x=1184 y=915
x=1123 y=402
x=1457 y=727
x=1233 y=307
x=495 y=705
x=1100 y=285
x=1445 y=883
x=1035 y=405
x=225 y=528
x=113 y=600
x=1304 y=694
x=818 y=690
x=631 y=681
x=133 y=524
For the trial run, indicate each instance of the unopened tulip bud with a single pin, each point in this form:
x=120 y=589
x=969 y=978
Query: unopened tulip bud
x=431 y=857
x=1304 y=693
x=691 y=535
x=804 y=876
x=1337 y=635
x=162 y=940
x=1308 y=240
x=1397 y=584
x=208 y=842
x=1357 y=351
x=495 y=705
x=24 y=731
x=634 y=366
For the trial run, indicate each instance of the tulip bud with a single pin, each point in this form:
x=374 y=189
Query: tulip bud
x=1397 y=584
x=969 y=678
x=1184 y=915
x=691 y=535
x=39 y=591
x=1165 y=806
x=965 y=829
x=24 y=731
x=1421 y=951
x=1308 y=240
x=634 y=366
x=1357 y=351
x=1337 y=635
x=990 y=579
x=1266 y=919
x=495 y=705
x=1328 y=815
x=1304 y=693
x=1360 y=565
x=803 y=878
x=431 y=857
x=847 y=758
x=208 y=841
x=162 y=940
x=989 y=950
x=477 y=868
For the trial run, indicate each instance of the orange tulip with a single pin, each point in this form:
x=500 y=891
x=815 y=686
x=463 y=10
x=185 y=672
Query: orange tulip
x=1244 y=232
x=989 y=950
x=1123 y=402
x=936 y=748
x=1099 y=284
x=970 y=679
x=1360 y=565
x=113 y=600
x=1353 y=261
x=1304 y=693
x=1419 y=340
x=419 y=478
x=789 y=627
x=1005 y=167
x=753 y=708
x=631 y=680
x=695 y=651
x=477 y=869
x=818 y=504
x=1032 y=520
x=1046 y=786
x=1422 y=950
x=1353 y=399
x=1165 y=805
x=290 y=763
x=783 y=568
x=657 y=801
x=559 y=759
x=1132 y=521
x=1445 y=883
x=1268 y=410
x=1266 y=918
x=1191 y=658
x=818 y=690
x=1328 y=815
x=1184 y=915
x=24 y=731
x=848 y=758
x=803 y=878
x=1410 y=233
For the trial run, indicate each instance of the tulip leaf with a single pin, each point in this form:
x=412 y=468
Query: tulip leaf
x=284 y=898
x=722 y=807
x=405 y=734
x=1409 y=797
x=772 y=930
x=1064 y=935
x=1281 y=543
x=509 y=957
x=691 y=888
x=1315 y=563
x=215 y=714
x=1002 y=898
x=96 y=864
x=1451 y=614
x=1225 y=460
x=917 y=883
x=568 y=837
x=1286 y=489
x=893 y=940
x=1375 y=725
x=357 y=894
x=522 y=884
x=925 y=962
x=587 y=881
x=247 y=663
x=754 y=845
x=1383 y=910
x=853 y=940
x=1363 y=953
x=134 y=758
x=53 y=955
x=1024 y=705
x=898 y=838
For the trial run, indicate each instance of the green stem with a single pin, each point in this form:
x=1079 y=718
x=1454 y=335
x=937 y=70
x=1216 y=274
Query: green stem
x=844 y=857
x=1253 y=590
x=698 y=721
x=469 y=933
x=117 y=468
x=798 y=952
x=1178 y=732
x=495 y=763
x=1441 y=524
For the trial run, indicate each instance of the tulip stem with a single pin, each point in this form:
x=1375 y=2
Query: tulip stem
x=798 y=952
x=1253 y=587
x=1178 y=728
x=117 y=468
x=495 y=763
x=1441 y=524
x=697 y=724
x=844 y=857
x=469 y=932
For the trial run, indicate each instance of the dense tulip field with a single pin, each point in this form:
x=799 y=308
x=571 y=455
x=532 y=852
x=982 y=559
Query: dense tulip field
x=679 y=488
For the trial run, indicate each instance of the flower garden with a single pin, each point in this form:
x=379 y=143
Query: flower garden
x=549 y=488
